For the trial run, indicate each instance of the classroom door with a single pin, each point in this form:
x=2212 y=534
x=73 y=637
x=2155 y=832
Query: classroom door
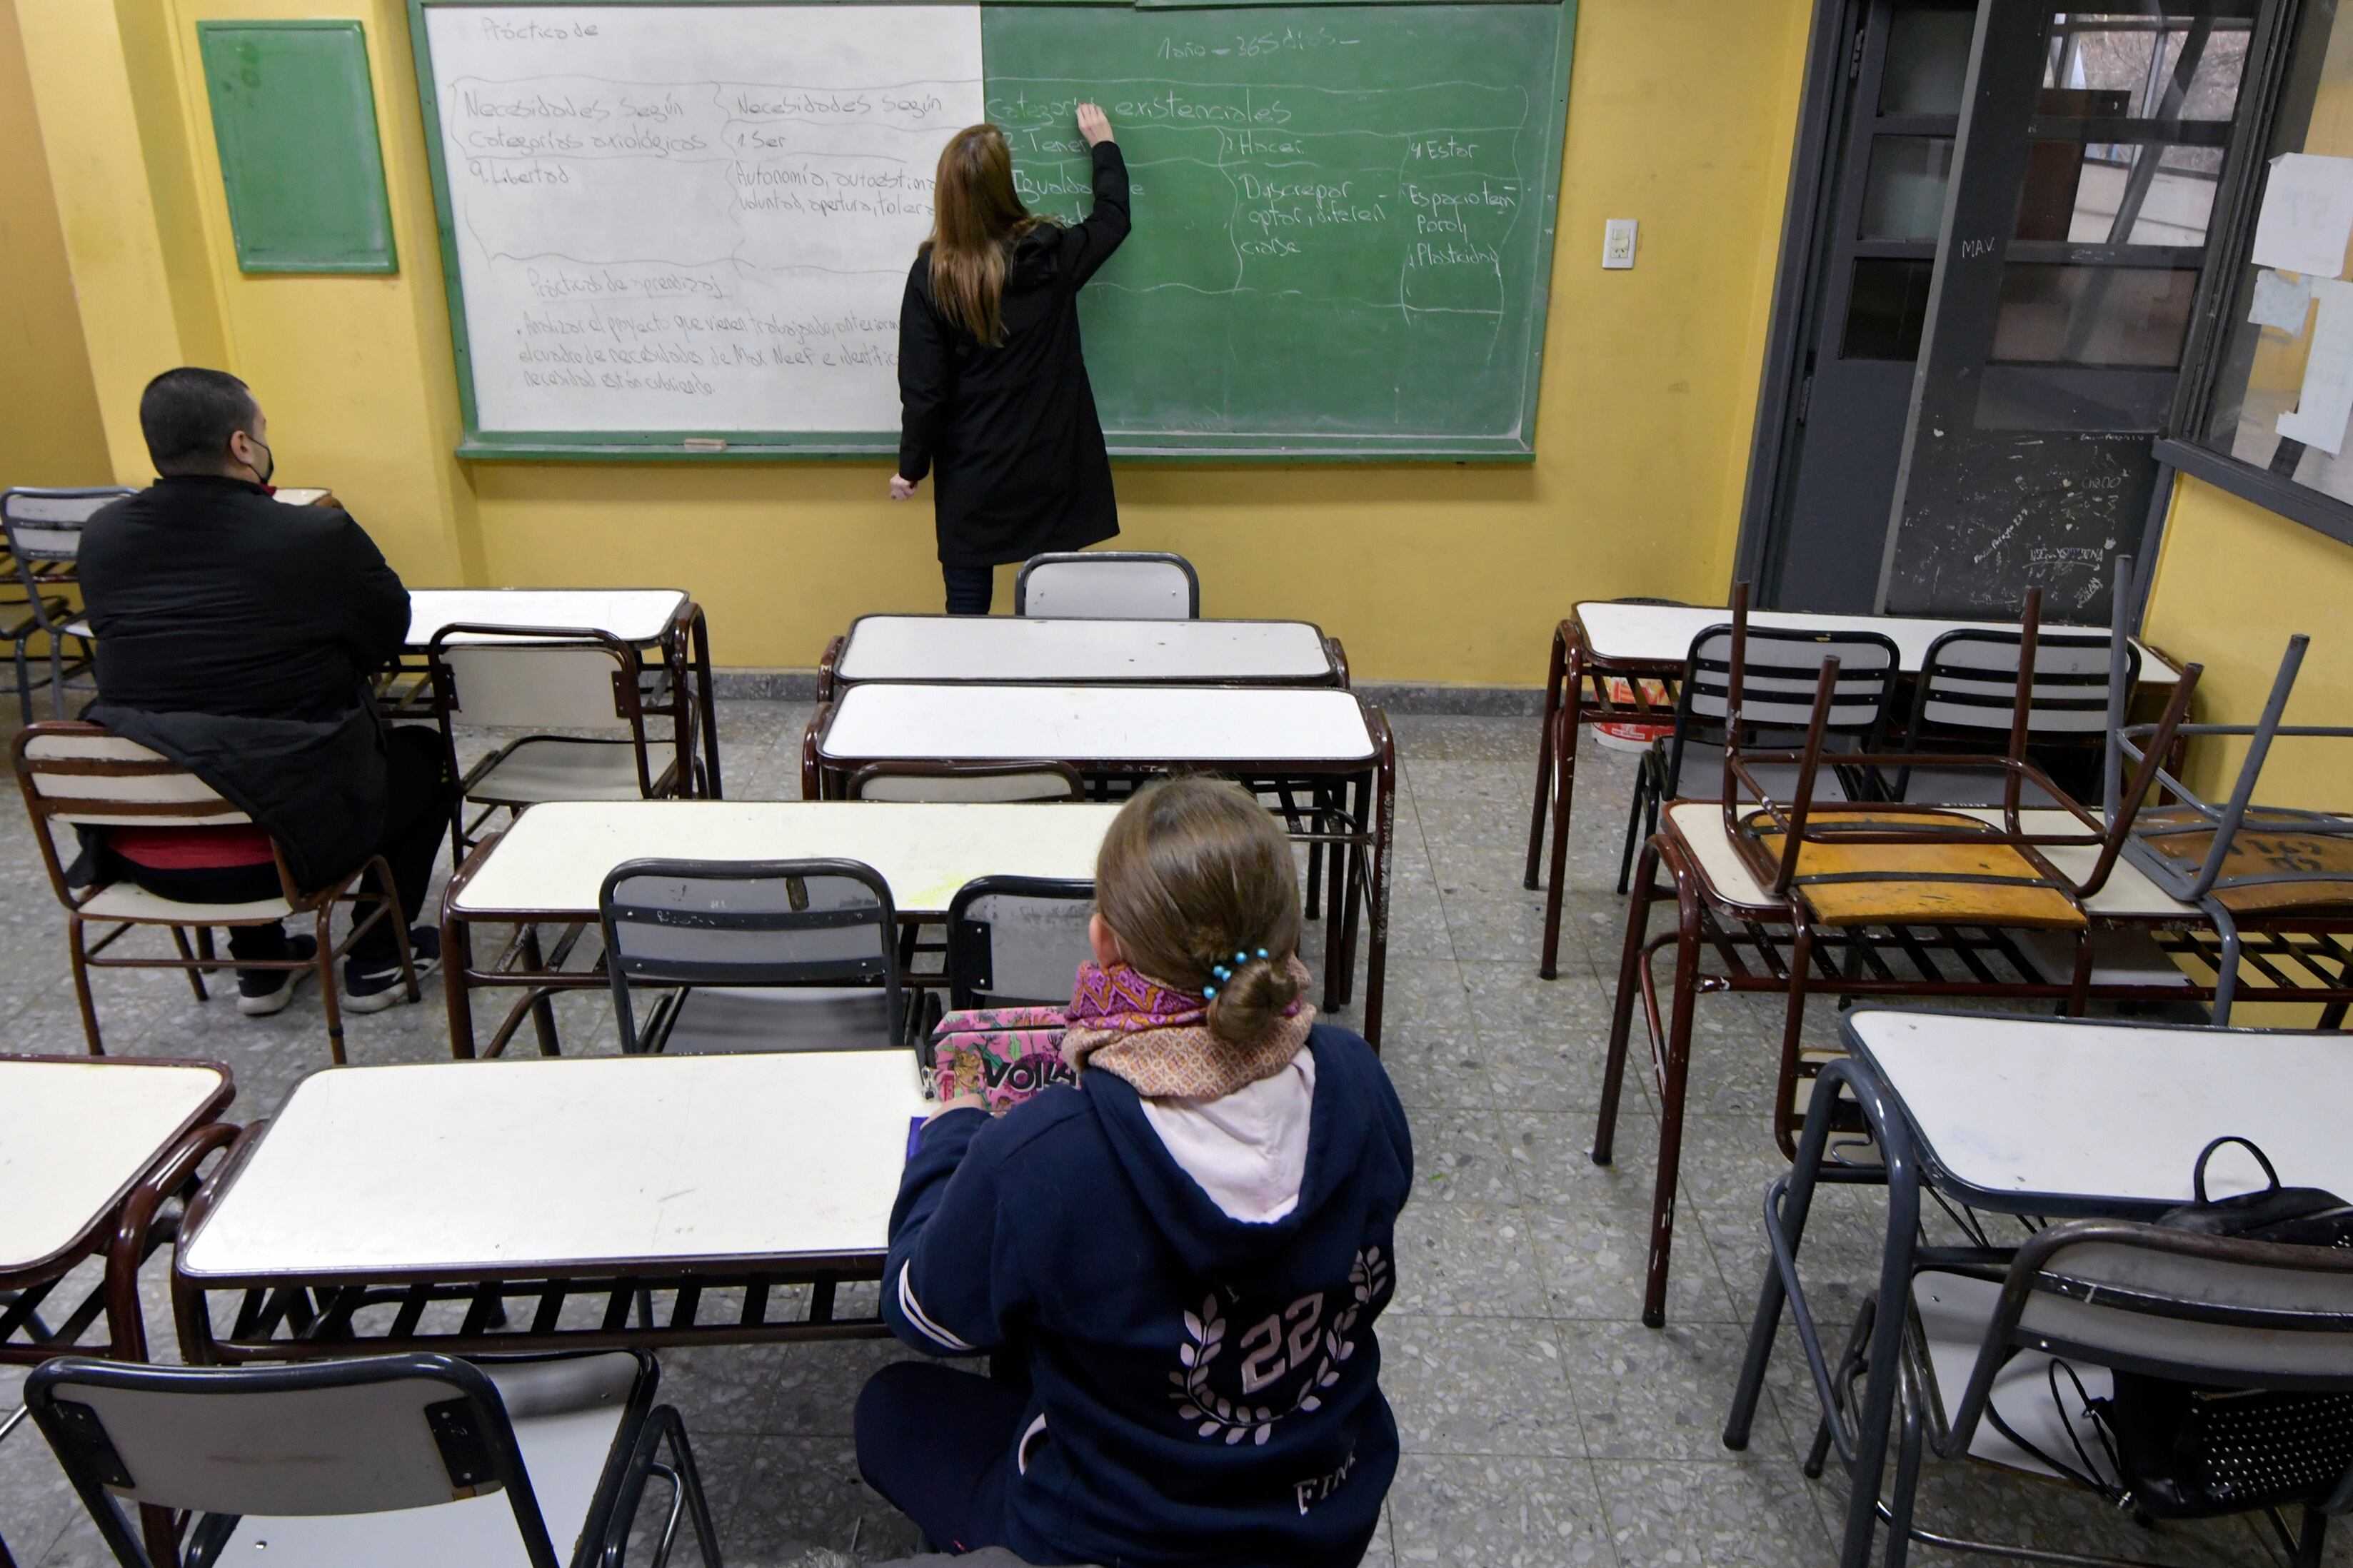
x=1906 y=66
x=2074 y=241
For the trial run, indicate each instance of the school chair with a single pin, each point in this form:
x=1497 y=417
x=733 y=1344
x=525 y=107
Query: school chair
x=753 y=956
x=1965 y=701
x=1109 y=584
x=1685 y=763
x=1016 y=941
x=1987 y=1356
x=406 y=1460
x=999 y=784
x=43 y=528
x=2274 y=882
x=79 y=775
x=584 y=681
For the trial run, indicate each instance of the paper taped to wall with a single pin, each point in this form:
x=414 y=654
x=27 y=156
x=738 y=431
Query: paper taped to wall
x=2281 y=302
x=2326 y=405
x=2308 y=214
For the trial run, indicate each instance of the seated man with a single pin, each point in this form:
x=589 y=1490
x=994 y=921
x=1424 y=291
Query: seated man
x=239 y=636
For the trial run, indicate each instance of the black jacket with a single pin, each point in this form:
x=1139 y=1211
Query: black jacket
x=1012 y=429
x=238 y=635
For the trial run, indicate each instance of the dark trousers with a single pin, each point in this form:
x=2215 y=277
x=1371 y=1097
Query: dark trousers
x=417 y=789
x=938 y=1444
x=971 y=589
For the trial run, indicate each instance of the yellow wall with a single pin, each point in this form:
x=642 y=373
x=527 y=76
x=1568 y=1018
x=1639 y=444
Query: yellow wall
x=49 y=432
x=1682 y=113
x=2234 y=580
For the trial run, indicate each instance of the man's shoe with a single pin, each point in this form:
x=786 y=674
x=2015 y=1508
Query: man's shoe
x=373 y=990
x=261 y=991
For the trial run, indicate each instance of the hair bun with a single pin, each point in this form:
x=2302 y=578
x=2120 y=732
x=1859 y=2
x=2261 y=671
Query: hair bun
x=1260 y=990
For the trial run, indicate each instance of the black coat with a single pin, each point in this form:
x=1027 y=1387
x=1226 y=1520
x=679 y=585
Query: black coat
x=1011 y=429
x=238 y=635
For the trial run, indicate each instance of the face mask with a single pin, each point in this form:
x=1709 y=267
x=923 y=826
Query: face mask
x=271 y=457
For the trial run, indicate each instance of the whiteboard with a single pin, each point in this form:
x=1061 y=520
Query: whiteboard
x=689 y=219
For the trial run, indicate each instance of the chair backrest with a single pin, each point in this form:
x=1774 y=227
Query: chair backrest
x=1781 y=668
x=1017 y=940
x=81 y=772
x=2200 y=1309
x=44 y=525
x=1109 y=584
x=581 y=679
x=315 y=1438
x=990 y=782
x=748 y=923
x=1968 y=684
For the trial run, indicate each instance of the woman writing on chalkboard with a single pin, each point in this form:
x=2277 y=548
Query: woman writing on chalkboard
x=992 y=384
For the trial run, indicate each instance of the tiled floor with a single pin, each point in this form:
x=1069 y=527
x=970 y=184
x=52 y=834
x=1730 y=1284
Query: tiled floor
x=1542 y=1423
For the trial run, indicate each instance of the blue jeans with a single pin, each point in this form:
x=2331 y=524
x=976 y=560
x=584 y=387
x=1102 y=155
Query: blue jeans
x=970 y=589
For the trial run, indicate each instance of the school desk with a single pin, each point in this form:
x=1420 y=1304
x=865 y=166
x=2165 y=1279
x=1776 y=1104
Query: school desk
x=537 y=1205
x=89 y=1151
x=2058 y=1119
x=1269 y=738
x=664 y=620
x=549 y=869
x=947 y=649
x=1607 y=640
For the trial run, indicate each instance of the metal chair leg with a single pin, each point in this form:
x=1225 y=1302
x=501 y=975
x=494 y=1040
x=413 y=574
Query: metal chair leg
x=78 y=949
x=196 y=977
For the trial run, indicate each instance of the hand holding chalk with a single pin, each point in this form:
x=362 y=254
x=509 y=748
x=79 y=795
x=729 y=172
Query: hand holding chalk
x=1093 y=124
x=903 y=489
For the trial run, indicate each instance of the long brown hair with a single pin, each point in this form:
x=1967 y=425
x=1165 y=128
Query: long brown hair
x=976 y=217
x=1192 y=872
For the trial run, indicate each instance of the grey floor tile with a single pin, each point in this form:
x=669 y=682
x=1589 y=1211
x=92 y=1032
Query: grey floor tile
x=796 y=1492
x=1490 y=1510
x=1754 y=1514
x=1479 y=1385
x=1462 y=1155
x=1473 y=1259
x=1652 y=1393
x=1594 y=1262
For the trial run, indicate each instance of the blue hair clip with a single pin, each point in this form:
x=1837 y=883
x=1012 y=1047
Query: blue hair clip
x=1241 y=958
x=1261 y=952
x=1208 y=993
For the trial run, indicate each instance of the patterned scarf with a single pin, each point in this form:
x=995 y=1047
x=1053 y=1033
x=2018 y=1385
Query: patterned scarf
x=1158 y=1037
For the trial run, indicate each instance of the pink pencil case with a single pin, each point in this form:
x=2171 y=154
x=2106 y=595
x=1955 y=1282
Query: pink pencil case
x=1003 y=1054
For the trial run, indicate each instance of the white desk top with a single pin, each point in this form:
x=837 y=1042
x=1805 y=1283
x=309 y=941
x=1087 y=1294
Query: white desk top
x=484 y=1165
x=633 y=614
x=1020 y=647
x=74 y=1136
x=2098 y=1109
x=1661 y=634
x=556 y=856
x=1098 y=723
x=2128 y=894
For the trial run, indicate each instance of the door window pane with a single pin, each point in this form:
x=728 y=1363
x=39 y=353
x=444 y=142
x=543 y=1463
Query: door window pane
x=1886 y=307
x=1903 y=196
x=2140 y=54
x=2131 y=316
x=1928 y=62
x=2076 y=193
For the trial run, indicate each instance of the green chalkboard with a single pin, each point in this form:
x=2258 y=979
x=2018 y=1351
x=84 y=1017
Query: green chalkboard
x=294 y=118
x=679 y=230
x=1344 y=216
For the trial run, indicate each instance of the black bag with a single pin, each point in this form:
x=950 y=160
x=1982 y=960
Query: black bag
x=2182 y=1450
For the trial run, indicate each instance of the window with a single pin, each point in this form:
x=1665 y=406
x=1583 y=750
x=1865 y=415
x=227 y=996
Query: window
x=2254 y=357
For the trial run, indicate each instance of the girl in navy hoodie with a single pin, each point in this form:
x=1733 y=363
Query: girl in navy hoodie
x=1186 y=1253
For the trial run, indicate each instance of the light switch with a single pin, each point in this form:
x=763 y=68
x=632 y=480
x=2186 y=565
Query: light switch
x=1618 y=243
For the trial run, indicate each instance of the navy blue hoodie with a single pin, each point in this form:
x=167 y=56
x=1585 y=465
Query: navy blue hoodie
x=1207 y=1388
